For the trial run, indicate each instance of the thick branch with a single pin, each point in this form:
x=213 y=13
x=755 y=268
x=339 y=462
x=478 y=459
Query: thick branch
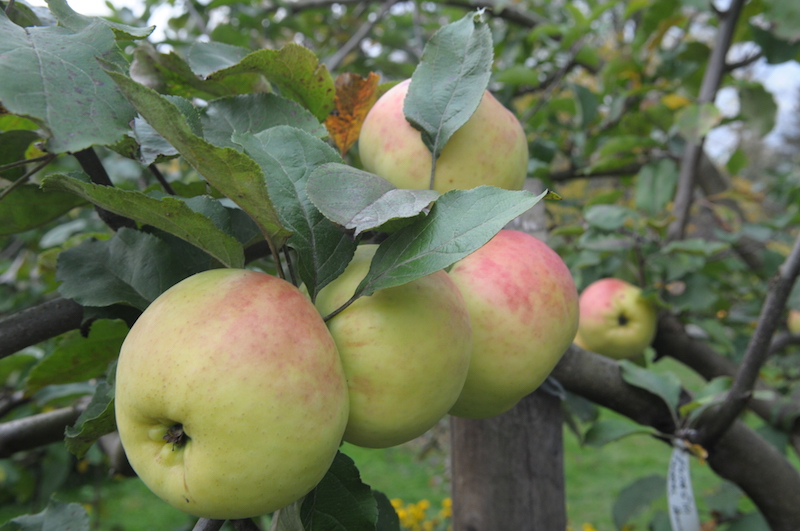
x=708 y=91
x=38 y=323
x=37 y=430
x=757 y=350
x=92 y=165
x=740 y=456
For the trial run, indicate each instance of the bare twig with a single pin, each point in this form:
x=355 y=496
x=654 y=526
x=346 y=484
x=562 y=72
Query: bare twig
x=23 y=162
x=22 y=180
x=333 y=61
x=757 y=351
x=206 y=524
x=160 y=178
x=712 y=78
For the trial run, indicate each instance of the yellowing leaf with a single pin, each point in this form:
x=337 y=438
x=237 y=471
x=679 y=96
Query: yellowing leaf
x=355 y=96
x=675 y=101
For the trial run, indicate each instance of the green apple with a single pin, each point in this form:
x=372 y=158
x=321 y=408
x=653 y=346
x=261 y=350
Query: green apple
x=490 y=148
x=230 y=399
x=793 y=321
x=616 y=320
x=523 y=305
x=405 y=352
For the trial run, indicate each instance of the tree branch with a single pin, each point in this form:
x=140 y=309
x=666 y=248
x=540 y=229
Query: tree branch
x=333 y=61
x=712 y=78
x=206 y=524
x=757 y=350
x=37 y=430
x=31 y=326
x=92 y=165
x=740 y=455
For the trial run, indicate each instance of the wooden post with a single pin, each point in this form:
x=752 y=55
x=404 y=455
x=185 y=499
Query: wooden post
x=508 y=470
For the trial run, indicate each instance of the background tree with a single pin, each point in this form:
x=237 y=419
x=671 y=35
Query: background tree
x=617 y=100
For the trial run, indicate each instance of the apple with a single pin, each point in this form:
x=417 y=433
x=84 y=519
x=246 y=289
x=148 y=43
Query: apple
x=230 y=398
x=490 y=148
x=405 y=352
x=523 y=305
x=616 y=320
x=793 y=321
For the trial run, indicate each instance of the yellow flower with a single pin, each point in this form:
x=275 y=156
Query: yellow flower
x=397 y=503
x=588 y=527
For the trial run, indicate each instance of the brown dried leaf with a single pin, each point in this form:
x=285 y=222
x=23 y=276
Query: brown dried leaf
x=355 y=96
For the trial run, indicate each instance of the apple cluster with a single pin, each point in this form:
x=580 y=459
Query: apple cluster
x=233 y=393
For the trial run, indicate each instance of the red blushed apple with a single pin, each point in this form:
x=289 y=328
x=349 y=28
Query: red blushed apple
x=490 y=148
x=616 y=320
x=523 y=305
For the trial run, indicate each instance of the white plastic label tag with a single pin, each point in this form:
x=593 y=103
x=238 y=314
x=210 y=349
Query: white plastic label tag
x=680 y=497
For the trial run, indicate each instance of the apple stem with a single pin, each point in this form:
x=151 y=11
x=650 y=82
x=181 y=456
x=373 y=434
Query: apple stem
x=433 y=170
x=341 y=308
x=290 y=266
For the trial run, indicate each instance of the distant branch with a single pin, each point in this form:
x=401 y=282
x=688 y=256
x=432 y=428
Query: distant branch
x=712 y=78
x=333 y=61
x=757 y=350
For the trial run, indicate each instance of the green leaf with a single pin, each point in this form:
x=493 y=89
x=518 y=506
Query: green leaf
x=78 y=358
x=28 y=206
x=695 y=121
x=785 y=16
x=775 y=50
x=77 y=22
x=287 y=157
x=387 y=516
x=459 y=223
x=13 y=145
x=637 y=497
x=131 y=268
x=15 y=364
x=253 y=113
x=587 y=105
x=449 y=82
x=232 y=173
x=758 y=107
x=170 y=214
x=96 y=420
x=294 y=70
x=51 y=76
x=655 y=185
x=667 y=386
x=607 y=217
x=56 y=516
x=341 y=501
x=207 y=57
x=698 y=246
x=605 y=431
x=361 y=201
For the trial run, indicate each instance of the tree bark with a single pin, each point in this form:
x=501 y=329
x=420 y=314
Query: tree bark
x=508 y=471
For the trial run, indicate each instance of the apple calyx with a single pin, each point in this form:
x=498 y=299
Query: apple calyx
x=622 y=319
x=176 y=436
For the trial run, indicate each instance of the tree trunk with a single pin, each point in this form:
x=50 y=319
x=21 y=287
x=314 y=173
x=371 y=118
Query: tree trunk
x=508 y=471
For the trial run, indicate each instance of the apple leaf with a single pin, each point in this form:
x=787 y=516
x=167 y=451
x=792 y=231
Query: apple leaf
x=361 y=201
x=287 y=157
x=96 y=420
x=174 y=215
x=387 y=515
x=637 y=497
x=76 y=22
x=460 y=222
x=131 y=268
x=294 y=70
x=78 y=358
x=54 y=516
x=449 y=82
x=207 y=57
x=253 y=113
x=28 y=206
x=231 y=172
x=355 y=95
x=666 y=385
x=341 y=501
x=605 y=431
x=50 y=75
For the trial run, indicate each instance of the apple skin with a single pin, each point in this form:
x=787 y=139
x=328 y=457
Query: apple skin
x=616 y=321
x=405 y=352
x=243 y=361
x=523 y=305
x=793 y=321
x=490 y=148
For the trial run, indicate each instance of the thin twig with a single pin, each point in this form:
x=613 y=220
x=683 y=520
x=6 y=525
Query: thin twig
x=757 y=352
x=712 y=78
x=18 y=163
x=22 y=180
x=555 y=79
x=333 y=61
x=161 y=179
